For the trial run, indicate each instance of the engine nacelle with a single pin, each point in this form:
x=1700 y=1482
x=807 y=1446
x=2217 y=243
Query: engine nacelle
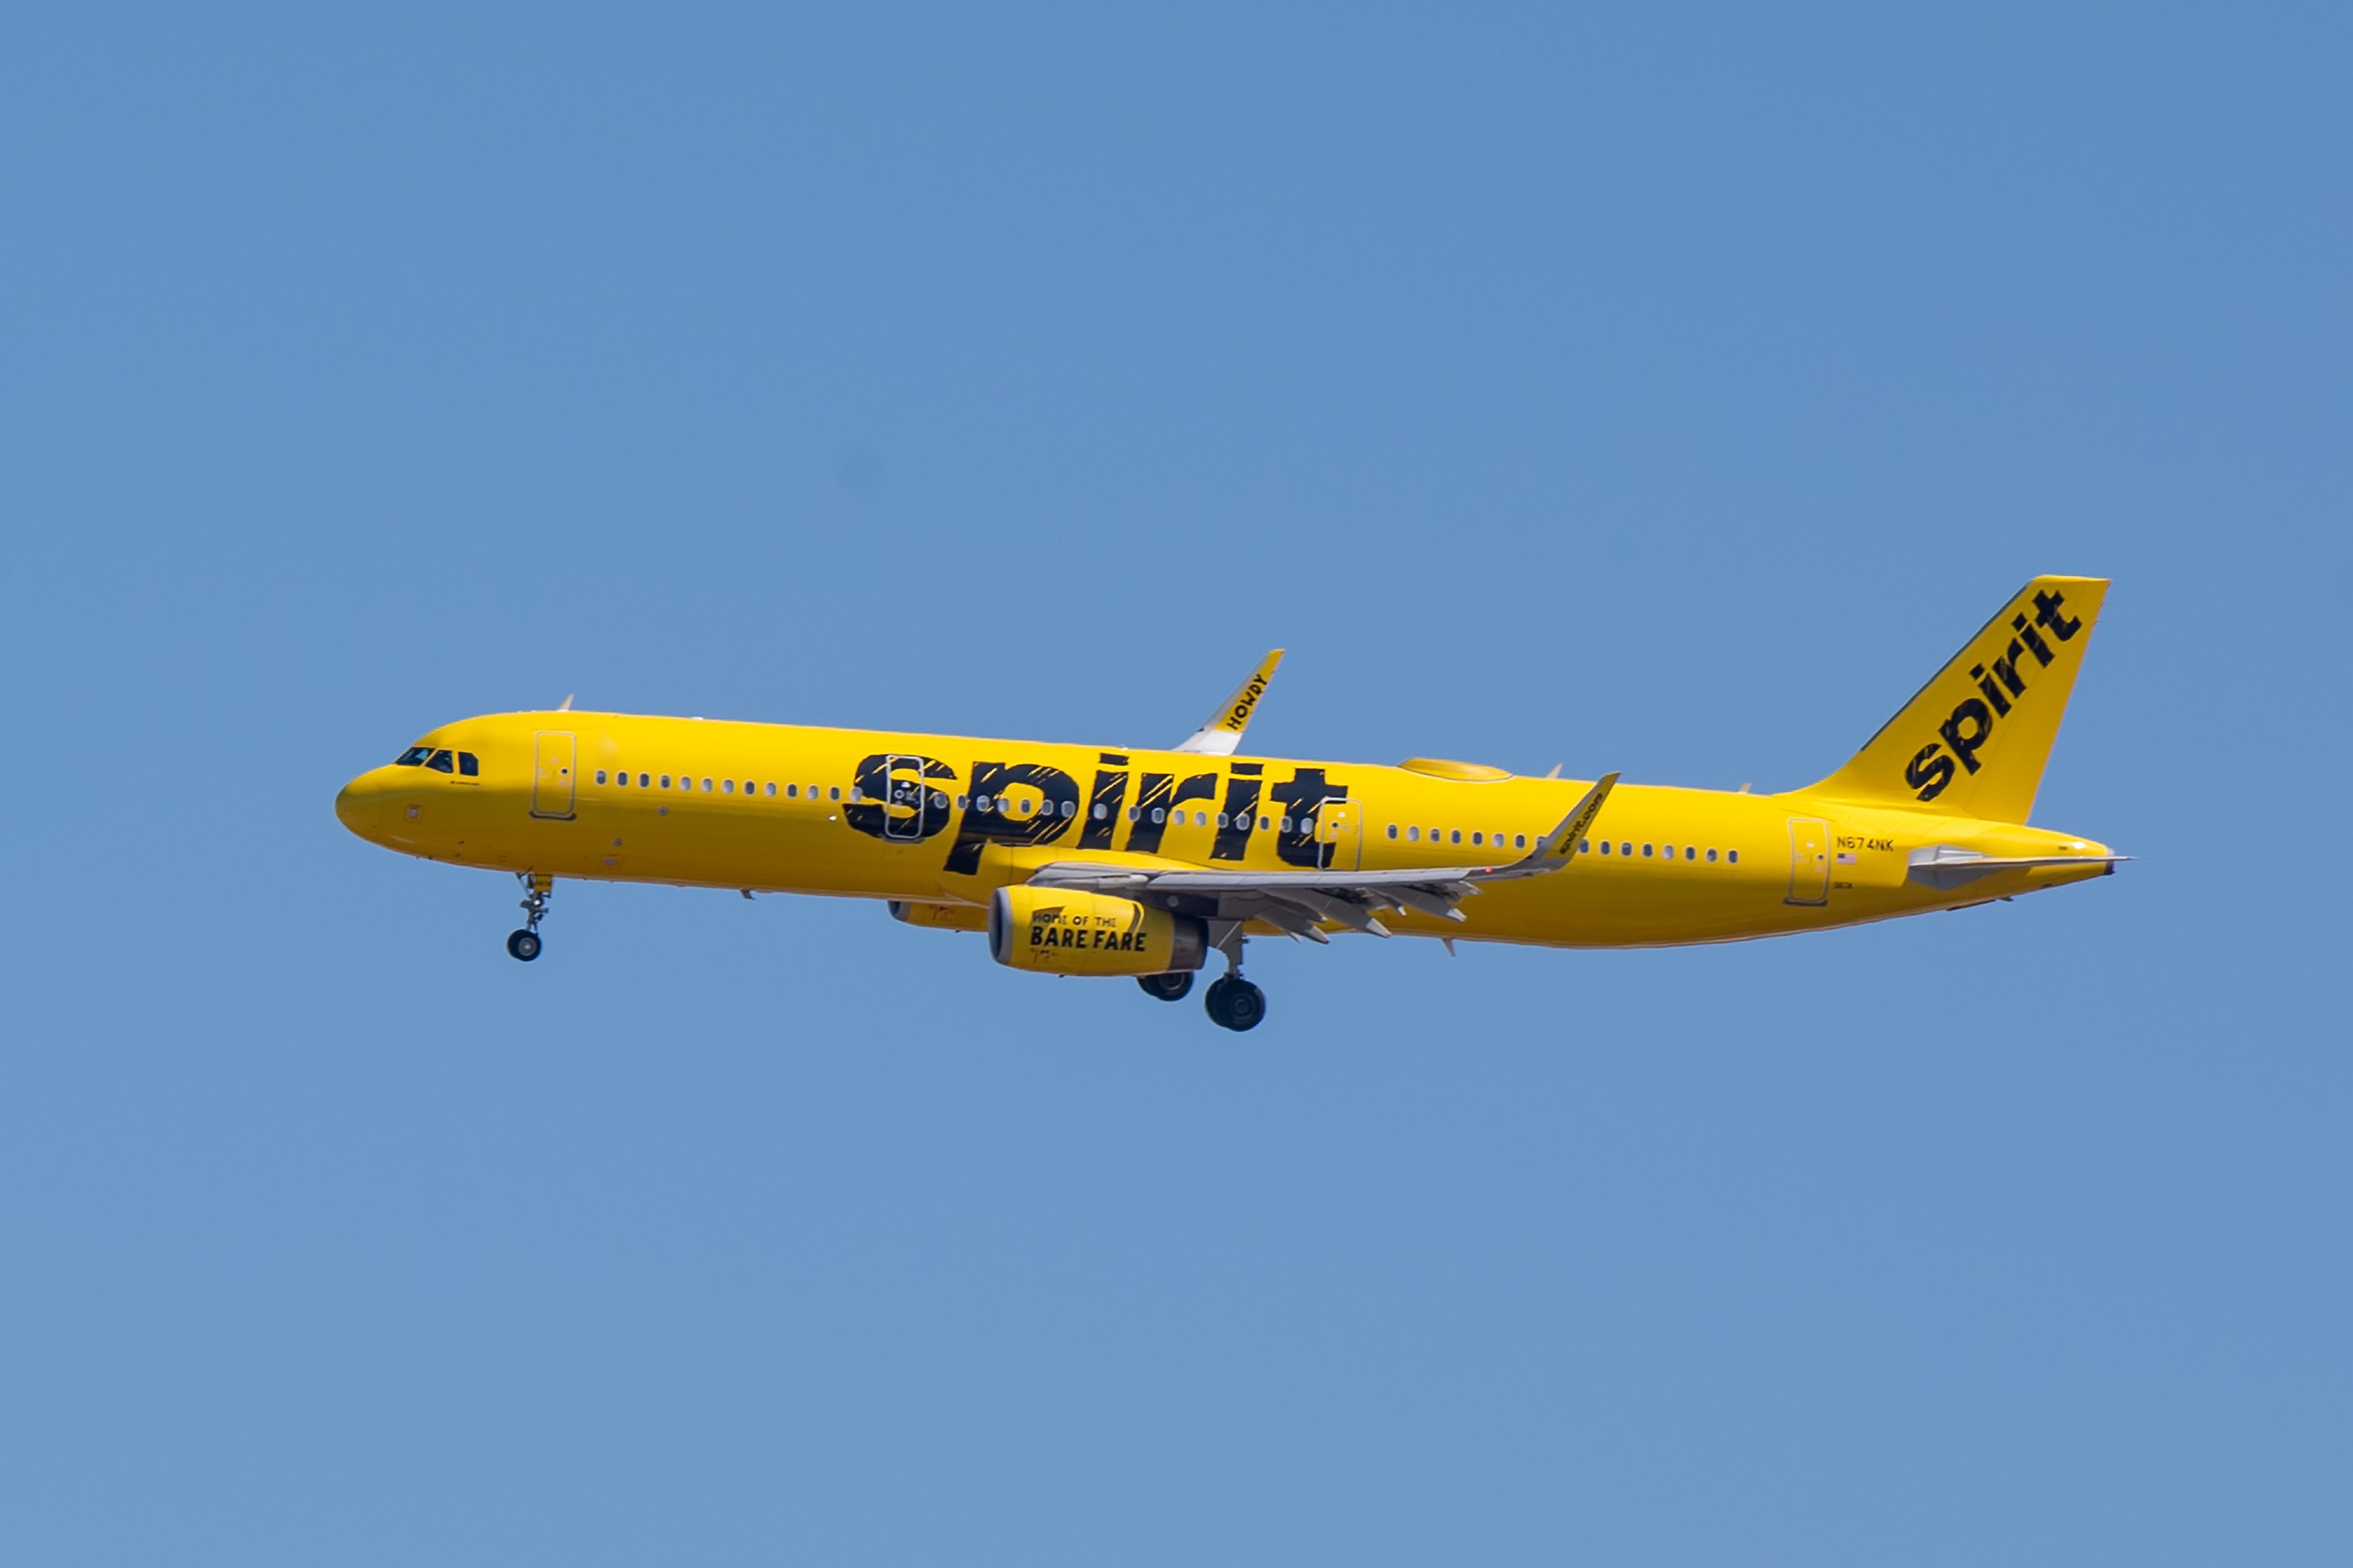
x=1055 y=930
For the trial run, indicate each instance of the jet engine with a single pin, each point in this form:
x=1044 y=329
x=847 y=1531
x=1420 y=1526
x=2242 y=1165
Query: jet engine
x=1055 y=930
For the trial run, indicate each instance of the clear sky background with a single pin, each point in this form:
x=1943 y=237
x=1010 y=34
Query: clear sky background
x=1667 y=390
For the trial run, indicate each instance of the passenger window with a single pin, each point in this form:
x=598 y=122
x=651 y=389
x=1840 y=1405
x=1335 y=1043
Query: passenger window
x=792 y=791
x=1625 y=848
x=1605 y=847
x=1097 y=811
x=644 y=780
x=1585 y=846
x=1413 y=835
x=1689 y=853
x=771 y=791
x=413 y=757
x=1157 y=813
x=600 y=775
x=1646 y=852
x=1457 y=837
x=468 y=765
x=1392 y=830
x=706 y=786
x=665 y=783
x=1711 y=856
x=836 y=793
x=622 y=780
x=964 y=802
x=440 y=762
x=729 y=782
x=1519 y=841
x=1264 y=825
x=1732 y=856
x=1477 y=838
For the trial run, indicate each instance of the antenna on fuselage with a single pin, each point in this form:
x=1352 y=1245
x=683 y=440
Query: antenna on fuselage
x=565 y=706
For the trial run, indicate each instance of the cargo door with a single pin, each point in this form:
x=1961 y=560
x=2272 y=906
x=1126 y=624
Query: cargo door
x=1809 y=861
x=551 y=786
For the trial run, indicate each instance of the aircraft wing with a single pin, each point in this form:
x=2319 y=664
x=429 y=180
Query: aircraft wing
x=1299 y=902
x=1223 y=732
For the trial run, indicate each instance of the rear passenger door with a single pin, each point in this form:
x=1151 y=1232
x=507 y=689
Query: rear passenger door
x=551 y=788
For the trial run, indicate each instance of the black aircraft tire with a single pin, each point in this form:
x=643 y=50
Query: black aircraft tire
x=523 y=944
x=1174 y=987
x=1234 y=1004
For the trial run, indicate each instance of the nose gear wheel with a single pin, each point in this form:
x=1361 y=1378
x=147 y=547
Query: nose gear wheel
x=537 y=891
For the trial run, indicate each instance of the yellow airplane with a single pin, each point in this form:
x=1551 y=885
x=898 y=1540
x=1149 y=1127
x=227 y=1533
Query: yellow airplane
x=1102 y=861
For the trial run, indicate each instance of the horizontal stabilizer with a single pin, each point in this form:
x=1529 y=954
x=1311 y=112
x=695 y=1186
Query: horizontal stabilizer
x=1946 y=866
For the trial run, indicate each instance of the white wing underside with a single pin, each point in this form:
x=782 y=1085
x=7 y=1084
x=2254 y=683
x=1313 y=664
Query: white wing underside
x=1300 y=902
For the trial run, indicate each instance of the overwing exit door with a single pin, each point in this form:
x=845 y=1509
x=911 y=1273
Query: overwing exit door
x=1340 y=834
x=551 y=785
x=912 y=810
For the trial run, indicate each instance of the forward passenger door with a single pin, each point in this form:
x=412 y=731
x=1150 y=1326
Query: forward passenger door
x=552 y=784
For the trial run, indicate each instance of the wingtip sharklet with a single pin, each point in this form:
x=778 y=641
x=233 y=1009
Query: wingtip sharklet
x=1222 y=735
x=1558 y=848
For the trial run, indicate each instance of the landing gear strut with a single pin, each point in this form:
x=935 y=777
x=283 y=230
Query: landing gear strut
x=1233 y=1003
x=537 y=890
x=1170 y=987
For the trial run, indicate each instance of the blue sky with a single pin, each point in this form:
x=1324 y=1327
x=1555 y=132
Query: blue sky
x=1668 y=390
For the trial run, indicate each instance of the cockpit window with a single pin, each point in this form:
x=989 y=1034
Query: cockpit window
x=470 y=764
x=412 y=757
x=439 y=760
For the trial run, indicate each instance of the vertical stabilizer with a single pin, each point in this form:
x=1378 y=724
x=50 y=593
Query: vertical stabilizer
x=1974 y=739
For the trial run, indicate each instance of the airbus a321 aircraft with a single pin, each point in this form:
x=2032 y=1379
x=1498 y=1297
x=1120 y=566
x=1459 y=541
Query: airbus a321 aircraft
x=1100 y=861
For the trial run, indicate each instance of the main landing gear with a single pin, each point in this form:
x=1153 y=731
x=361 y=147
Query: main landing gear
x=1234 y=1003
x=1171 y=987
x=537 y=890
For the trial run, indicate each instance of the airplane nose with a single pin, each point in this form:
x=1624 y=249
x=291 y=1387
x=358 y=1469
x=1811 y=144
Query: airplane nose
x=361 y=804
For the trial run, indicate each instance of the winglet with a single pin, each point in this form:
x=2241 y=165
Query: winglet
x=1223 y=732
x=1558 y=848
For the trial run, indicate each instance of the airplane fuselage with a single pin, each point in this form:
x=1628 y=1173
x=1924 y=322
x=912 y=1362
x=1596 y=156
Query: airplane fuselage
x=935 y=823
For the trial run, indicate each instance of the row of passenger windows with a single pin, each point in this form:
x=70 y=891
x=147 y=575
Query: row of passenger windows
x=1438 y=836
x=1006 y=805
x=722 y=786
x=1666 y=851
x=1010 y=807
x=441 y=760
x=1413 y=835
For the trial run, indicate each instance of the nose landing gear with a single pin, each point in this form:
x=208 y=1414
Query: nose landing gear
x=524 y=944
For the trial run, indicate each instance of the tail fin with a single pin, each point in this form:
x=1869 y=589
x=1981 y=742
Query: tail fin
x=1974 y=740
